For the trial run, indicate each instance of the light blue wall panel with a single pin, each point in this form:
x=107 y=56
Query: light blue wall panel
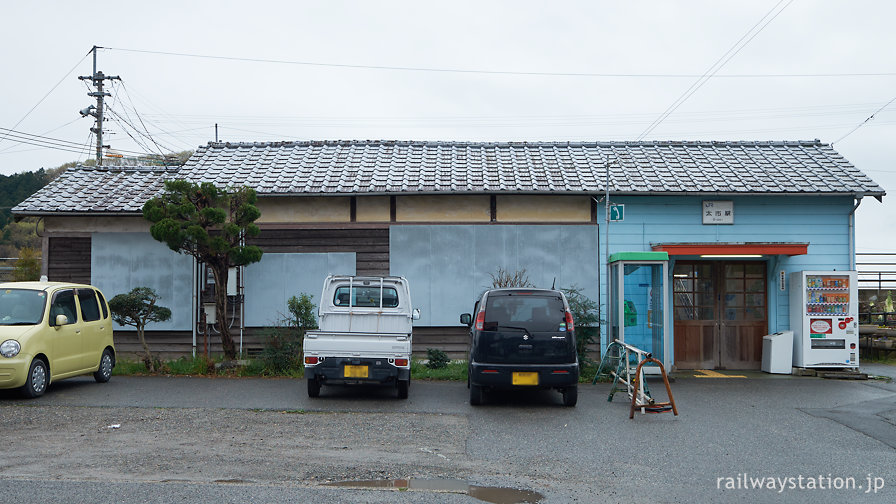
x=448 y=266
x=121 y=261
x=277 y=277
x=821 y=221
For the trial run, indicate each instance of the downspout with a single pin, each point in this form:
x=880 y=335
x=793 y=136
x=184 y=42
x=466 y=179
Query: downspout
x=241 y=293
x=852 y=232
x=194 y=301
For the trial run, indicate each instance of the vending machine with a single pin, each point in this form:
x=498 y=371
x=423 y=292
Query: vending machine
x=824 y=312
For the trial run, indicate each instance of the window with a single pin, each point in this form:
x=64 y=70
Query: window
x=536 y=313
x=103 y=304
x=364 y=296
x=64 y=304
x=90 y=309
x=694 y=293
x=22 y=307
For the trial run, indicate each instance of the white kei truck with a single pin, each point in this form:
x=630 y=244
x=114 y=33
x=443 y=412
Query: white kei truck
x=364 y=336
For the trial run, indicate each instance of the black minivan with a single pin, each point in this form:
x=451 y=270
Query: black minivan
x=522 y=338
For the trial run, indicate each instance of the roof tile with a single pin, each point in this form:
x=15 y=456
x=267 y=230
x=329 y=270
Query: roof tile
x=370 y=167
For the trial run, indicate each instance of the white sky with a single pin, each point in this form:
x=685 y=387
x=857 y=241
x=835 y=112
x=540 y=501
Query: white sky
x=179 y=99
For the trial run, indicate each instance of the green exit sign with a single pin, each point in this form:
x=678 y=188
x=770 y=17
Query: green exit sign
x=617 y=212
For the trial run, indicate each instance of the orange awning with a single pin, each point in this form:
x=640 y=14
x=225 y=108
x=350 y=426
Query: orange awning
x=715 y=248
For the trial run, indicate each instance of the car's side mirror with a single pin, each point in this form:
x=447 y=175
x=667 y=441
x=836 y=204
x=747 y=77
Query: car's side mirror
x=61 y=320
x=466 y=319
x=416 y=314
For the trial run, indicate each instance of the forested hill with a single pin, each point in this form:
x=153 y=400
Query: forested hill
x=15 y=188
x=16 y=236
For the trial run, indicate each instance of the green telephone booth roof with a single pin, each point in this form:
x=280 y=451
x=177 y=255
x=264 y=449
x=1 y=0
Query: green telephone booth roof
x=639 y=256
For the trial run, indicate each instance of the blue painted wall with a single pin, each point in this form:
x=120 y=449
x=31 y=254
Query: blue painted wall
x=121 y=261
x=277 y=277
x=448 y=266
x=821 y=221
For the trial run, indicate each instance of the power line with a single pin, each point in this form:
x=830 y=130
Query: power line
x=45 y=96
x=159 y=148
x=715 y=67
x=162 y=113
x=87 y=145
x=33 y=137
x=495 y=72
x=863 y=122
x=44 y=133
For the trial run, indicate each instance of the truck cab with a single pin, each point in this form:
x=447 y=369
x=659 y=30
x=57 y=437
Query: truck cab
x=365 y=334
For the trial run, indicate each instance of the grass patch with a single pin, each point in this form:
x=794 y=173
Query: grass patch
x=129 y=368
x=188 y=366
x=879 y=357
x=453 y=371
x=587 y=372
x=200 y=366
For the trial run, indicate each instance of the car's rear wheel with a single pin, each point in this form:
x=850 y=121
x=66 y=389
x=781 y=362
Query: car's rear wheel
x=403 y=386
x=571 y=395
x=38 y=379
x=313 y=387
x=104 y=372
x=476 y=394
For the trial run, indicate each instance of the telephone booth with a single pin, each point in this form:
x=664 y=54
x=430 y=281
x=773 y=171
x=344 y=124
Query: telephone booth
x=638 y=300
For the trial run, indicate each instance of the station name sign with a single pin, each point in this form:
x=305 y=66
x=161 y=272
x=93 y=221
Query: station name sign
x=718 y=212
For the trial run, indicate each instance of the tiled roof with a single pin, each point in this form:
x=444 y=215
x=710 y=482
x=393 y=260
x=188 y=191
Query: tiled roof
x=98 y=190
x=393 y=167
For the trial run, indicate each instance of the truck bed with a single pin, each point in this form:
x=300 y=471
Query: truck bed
x=354 y=344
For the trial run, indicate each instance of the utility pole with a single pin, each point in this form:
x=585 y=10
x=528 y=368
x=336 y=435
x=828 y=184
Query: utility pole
x=97 y=111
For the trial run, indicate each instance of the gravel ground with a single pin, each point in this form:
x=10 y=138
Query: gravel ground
x=228 y=446
x=195 y=440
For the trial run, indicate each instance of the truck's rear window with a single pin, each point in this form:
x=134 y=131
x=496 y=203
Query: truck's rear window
x=366 y=296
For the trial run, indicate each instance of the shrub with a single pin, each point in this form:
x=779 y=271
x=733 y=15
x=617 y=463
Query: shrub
x=503 y=278
x=283 y=352
x=437 y=358
x=586 y=315
x=138 y=308
x=27 y=267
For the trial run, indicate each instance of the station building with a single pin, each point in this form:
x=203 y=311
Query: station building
x=735 y=218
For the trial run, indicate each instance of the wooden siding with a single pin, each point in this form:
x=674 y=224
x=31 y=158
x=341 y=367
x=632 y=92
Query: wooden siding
x=370 y=245
x=169 y=345
x=68 y=259
x=454 y=341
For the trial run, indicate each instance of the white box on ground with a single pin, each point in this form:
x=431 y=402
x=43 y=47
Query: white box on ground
x=777 y=352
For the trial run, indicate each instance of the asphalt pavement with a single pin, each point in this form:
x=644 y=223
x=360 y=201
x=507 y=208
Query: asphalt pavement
x=803 y=436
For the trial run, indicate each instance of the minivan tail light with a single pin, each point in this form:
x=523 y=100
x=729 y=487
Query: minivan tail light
x=490 y=371
x=311 y=360
x=480 y=320
x=569 y=324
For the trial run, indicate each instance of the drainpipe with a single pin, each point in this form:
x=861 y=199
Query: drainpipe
x=194 y=301
x=852 y=232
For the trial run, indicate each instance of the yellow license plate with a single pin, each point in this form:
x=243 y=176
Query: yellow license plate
x=355 y=371
x=520 y=378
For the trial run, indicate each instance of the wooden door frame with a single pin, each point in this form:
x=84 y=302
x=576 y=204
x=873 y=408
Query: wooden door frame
x=718 y=323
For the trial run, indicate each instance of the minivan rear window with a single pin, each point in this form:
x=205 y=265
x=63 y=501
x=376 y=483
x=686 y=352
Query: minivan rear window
x=534 y=312
x=90 y=309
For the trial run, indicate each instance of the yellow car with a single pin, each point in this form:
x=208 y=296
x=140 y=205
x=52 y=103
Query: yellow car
x=50 y=331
